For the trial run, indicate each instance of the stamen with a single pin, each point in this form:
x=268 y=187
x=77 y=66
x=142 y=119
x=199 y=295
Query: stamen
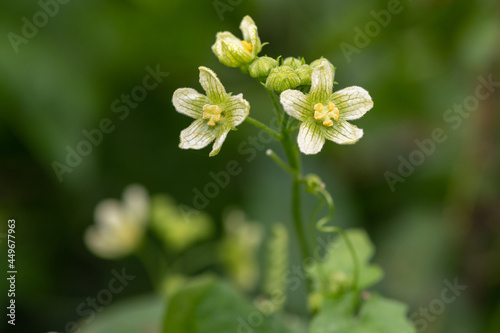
x=213 y=113
x=334 y=111
x=328 y=122
x=247 y=46
x=318 y=108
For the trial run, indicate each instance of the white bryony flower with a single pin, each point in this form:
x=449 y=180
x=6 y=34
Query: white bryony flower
x=234 y=52
x=119 y=226
x=216 y=113
x=324 y=115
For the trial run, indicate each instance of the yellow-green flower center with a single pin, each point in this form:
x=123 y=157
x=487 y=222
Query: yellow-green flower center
x=326 y=114
x=247 y=46
x=213 y=113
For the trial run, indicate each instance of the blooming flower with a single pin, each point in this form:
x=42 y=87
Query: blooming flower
x=325 y=115
x=234 y=52
x=216 y=113
x=119 y=225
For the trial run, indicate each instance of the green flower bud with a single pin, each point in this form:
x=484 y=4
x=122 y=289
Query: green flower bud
x=304 y=73
x=294 y=63
x=313 y=183
x=282 y=78
x=261 y=67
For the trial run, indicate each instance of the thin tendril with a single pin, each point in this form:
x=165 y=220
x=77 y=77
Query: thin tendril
x=321 y=226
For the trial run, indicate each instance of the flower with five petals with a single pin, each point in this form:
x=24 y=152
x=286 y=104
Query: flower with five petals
x=216 y=113
x=324 y=115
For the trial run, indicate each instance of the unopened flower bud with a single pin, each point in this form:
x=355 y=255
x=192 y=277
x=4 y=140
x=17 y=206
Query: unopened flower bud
x=282 y=78
x=304 y=73
x=261 y=67
x=294 y=63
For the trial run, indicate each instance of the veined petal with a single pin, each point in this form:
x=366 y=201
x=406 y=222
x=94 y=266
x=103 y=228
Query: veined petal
x=227 y=37
x=352 y=102
x=237 y=109
x=321 y=82
x=189 y=102
x=230 y=51
x=297 y=104
x=250 y=33
x=311 y=138
x=212 y=86
x=235 y=54
x=343 y=133
x=197 y=136
x=218 y=143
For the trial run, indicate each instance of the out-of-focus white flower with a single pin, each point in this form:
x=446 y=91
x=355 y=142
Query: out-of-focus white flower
x=119 y=226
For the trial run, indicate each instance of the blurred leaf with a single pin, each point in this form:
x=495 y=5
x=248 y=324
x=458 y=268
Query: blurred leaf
x=210 y=305
x=131 y=316
x=377 y=315
x=177 y=227
x=334 y=274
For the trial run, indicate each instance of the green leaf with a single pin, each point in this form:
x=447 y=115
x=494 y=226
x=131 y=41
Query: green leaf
x=209 y=305
x=335 y=273
x=142 y=314
x=385 y=316
x=377 y=315
x=182 y=307
x=336 y=316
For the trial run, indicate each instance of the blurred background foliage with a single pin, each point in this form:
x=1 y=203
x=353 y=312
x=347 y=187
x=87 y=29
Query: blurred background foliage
x=441 y=223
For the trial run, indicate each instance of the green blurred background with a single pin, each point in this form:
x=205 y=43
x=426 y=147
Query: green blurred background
x=441 y=223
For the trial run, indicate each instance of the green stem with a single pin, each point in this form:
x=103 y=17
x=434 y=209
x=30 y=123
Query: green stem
x=294 y=162
x=264 y=127
x=276 y=105
x=148 y=257
x=322 y=227
x=280 y=162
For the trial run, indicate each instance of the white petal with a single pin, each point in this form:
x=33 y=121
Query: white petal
x=237 y=109
x=352 y=102
x=230 y=51
x=250 y=33
x=297 y=104
x=212 y=86
x=321 y=82
x=197 y=136
x=218 y=143
x=189 y=102
x=103 y=244
x=343 y=133
x=310 y=138
x=108 y=214
x=136 y=202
